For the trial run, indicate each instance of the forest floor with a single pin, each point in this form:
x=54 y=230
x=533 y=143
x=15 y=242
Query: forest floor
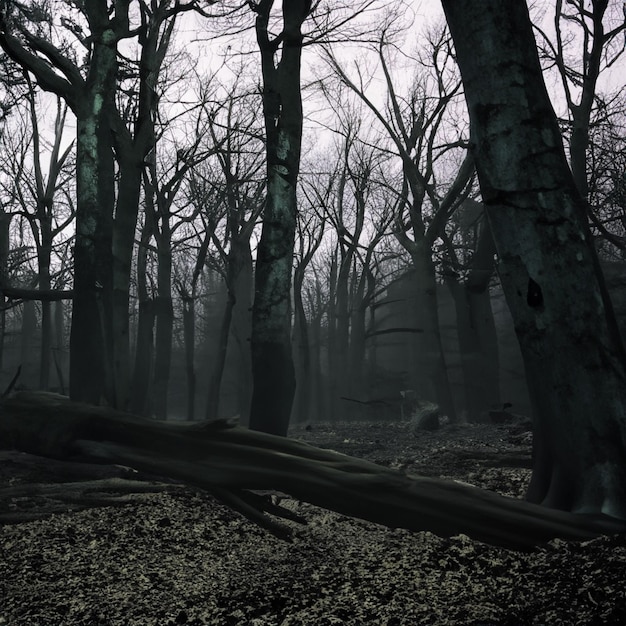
x=179 y=557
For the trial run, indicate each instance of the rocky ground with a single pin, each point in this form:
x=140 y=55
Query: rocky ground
x=177 y=556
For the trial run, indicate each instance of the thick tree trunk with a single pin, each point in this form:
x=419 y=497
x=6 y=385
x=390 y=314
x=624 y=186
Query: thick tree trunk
x=123 y=242
x=272 y=360
x=573 y=354
x=90 y=367
x=229 y=460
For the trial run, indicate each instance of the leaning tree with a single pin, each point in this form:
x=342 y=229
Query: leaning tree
x=572 y=350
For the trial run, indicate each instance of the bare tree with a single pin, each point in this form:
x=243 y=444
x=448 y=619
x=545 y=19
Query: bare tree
x=595 y=31
x=412 y=123
x=36 y=192
x=272 y=361
x=228 y=192
x=573 y=354
x=90 y=95
x=105 y=225
x=316 y=189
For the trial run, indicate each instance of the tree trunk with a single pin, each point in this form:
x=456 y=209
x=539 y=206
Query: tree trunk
x=219 y=361
x=5 y=222
x=237 y=264
x=189 y=334
x=44 y=253
x=358 y=383
x=229 y=461
x=28 y=347
x=431 y=375
x=341 y=342
x=59 y=350
x=478 y=342
x=132 y=151
x=303 y=351
x=144 y=358
x=164 y=313
x=272 y=360
x=123 y=242
x=140 y=400
x=90 y=368
x=573 y=354
x=319 y=406
x=241 y=331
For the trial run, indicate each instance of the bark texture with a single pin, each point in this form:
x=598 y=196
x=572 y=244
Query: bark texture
x=573 y=354
x=90 y=364
x=272 y=360
x=229 y=460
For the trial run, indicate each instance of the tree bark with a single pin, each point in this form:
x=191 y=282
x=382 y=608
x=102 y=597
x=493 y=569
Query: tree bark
x=331 y=351
x=572 y=350
x=272 y=359
x=90 y=366
x=229 y=460
x=132 y=151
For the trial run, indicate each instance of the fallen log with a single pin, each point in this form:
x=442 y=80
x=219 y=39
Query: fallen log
x=76 y=496
x=233 y=462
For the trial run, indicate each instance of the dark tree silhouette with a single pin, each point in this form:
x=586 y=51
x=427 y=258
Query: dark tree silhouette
x=272 y=360
x=572 y=350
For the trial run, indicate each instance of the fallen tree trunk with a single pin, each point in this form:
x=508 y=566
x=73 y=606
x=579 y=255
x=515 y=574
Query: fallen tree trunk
x=229 y=461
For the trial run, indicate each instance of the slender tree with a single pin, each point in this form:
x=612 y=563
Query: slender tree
x=310 y=232
x=272 y=360
x=412 y=123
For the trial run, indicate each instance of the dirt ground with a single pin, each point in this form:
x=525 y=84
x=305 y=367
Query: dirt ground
x=177 y=556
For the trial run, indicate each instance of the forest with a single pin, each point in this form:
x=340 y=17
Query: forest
x=308 y=212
